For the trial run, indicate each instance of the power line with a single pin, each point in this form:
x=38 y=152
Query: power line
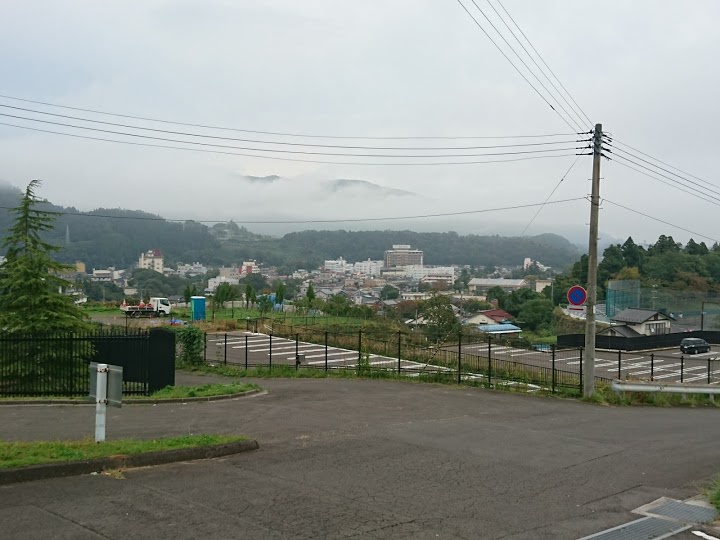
x=711 y=195
x=301 y=152
x=277 y=158
x=660 y=220
x=616 y=141
x=540 y=69
x=548 y=197
x=666 y=183
x=526 y=66
x=545 y=63
x=574 y=128
x=299 y=135
x=664 y=170
x=348 y=220
x=202 y=136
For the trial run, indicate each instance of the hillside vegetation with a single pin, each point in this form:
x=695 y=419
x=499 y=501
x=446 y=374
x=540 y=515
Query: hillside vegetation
x=116 y=237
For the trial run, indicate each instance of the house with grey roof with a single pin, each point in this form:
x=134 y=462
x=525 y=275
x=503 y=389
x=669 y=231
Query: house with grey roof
x=633 y=322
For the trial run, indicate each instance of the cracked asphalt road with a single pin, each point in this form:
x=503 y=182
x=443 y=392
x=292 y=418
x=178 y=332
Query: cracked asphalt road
x=370 y=459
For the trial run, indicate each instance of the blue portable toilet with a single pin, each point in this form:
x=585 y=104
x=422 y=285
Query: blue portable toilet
x=197 y=308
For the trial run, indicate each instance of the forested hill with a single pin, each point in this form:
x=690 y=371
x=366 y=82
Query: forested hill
x=115 y=237
x=439 y=248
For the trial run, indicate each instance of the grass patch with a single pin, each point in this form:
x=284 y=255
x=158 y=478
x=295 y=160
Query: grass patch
x=605 y=395
x=23 y=454
x=364 y=371
x=169 y=392
x=714 y=494
x=203 y=390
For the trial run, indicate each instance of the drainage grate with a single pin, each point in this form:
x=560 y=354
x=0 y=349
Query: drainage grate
x=681 y=511
x=648 y=528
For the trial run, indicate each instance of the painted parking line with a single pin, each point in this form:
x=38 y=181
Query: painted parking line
x=330 y=361
x=292 y=353
x=334 y=353
x=677 y=373
x=280 y=348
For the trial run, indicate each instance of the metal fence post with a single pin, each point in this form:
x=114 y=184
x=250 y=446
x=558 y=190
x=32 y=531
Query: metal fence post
x=708 y=371
x=554 y=375
x=270 y=367
x=359 y=345
x=652 y=366
x=399 y=349
x=581 y=371
x=205 y=347
x=619 y=364
x=297 y=351
x=326 y=336
x=682 y=366
x=489 y=361
x=225 y=353
x=246 y=353
x=459 y=356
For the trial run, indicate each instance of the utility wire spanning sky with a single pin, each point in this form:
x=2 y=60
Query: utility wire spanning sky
x=372 y=69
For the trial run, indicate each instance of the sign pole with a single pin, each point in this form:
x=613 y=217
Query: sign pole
x=101 y=402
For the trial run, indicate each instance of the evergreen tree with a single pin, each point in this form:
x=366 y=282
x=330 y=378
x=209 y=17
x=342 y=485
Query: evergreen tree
x=31 y=298
x=310 y=294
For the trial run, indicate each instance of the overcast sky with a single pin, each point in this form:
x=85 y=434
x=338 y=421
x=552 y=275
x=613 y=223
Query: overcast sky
x=645 y=69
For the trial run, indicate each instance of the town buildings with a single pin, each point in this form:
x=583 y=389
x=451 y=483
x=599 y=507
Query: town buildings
x=403 y=255
x=152 y=260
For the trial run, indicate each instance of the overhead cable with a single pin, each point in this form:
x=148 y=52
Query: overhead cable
x=548 y=197
x=285 y=143
x=281 y=134
x=616 y=142
x=590 y=122
x=540 y=69
x=666 y=183
x=660 y=220
x=278 y=158
x=300 y=152
x=477 y=23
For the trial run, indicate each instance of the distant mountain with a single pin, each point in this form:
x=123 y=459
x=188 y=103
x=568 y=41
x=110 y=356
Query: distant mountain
x=116 y=237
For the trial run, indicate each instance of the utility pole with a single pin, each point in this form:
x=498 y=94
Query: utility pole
x=589 y=359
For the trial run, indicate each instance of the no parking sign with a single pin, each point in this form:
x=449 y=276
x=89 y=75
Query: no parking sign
x=577 y=295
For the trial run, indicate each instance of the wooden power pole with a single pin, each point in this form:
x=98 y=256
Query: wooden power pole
x=589 y=358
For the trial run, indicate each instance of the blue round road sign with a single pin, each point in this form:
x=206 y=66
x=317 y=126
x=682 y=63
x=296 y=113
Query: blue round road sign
x=577 y=295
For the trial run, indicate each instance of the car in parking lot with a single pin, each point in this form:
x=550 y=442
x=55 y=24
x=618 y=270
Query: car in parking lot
x=694 y=345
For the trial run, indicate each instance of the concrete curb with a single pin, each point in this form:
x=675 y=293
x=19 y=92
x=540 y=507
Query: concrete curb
x=74 y=468
x=131 y=401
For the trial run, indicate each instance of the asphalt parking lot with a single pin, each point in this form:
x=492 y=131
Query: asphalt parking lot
x=370 y=459
x=667 y=365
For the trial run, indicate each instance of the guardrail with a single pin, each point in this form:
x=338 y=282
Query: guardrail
x=674 y=388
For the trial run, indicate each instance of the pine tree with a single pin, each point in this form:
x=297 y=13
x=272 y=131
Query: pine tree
x=31 y=298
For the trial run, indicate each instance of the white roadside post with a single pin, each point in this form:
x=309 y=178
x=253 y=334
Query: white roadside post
x=106 y=387
x=101 y=402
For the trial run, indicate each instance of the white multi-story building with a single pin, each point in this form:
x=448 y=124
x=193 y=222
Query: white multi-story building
x=419 y=272
x=338 y=266
x=194 y=269
x=370 y=268
x=102 y=275
x=214 y=282
x=152 y=260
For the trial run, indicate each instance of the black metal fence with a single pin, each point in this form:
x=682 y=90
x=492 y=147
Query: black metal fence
x=638 y=343
x=465 y=359
x=57 y=365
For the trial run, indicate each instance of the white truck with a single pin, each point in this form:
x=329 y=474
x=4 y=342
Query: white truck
x=156 y=307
